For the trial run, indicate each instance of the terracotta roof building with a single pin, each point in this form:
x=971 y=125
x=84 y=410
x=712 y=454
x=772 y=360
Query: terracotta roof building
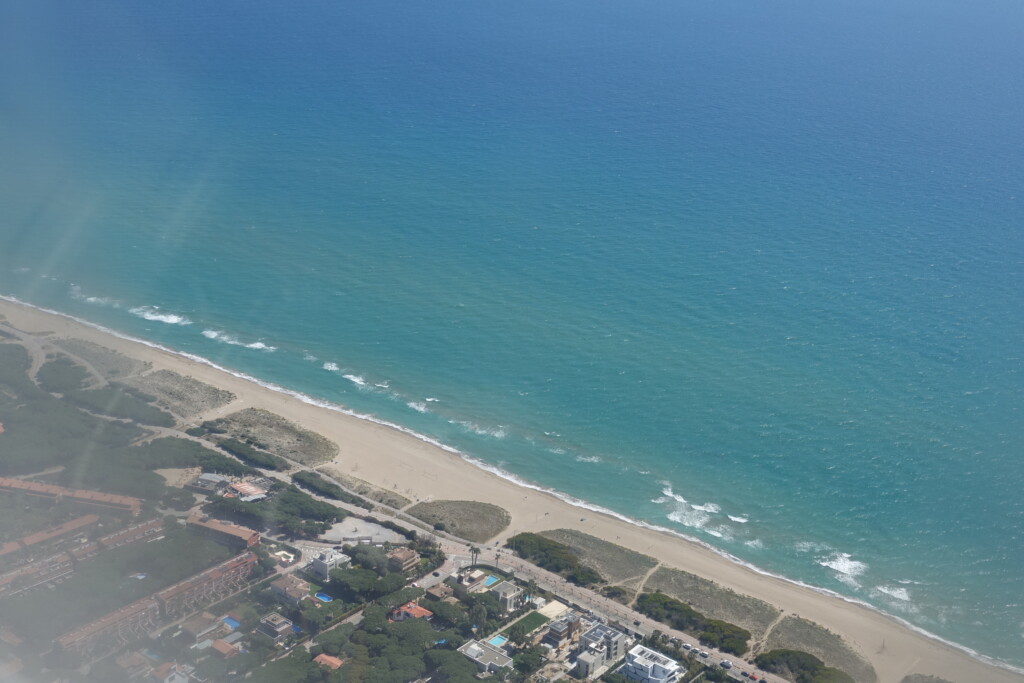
x=328 y=662
x=231 y=535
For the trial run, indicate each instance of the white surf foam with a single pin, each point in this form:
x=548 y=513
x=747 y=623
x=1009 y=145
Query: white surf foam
x=309 y=357
x=431 y=399
x=738 y=519
x=495 y=432
x=153 y=313
x=846 y=568
x=587 y=458
x=78 y=295
x=331 y=367
x=418 y=407
x=895 y=592
x=355 y=379
x=225 y=338
x=518 y=481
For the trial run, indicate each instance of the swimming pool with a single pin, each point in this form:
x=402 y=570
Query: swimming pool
x=490 y=581
x=323 y=597
x=498 y=641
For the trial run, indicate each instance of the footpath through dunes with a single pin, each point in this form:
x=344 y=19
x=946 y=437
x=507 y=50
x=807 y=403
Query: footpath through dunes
x=387 y=457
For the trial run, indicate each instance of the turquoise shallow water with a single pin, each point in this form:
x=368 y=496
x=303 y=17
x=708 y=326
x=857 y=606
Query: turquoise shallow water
x=750 y=272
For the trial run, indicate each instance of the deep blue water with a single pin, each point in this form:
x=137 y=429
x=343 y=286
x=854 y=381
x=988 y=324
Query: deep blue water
x=752 y=271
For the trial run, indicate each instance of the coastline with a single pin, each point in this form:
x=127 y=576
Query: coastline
x=393 y=457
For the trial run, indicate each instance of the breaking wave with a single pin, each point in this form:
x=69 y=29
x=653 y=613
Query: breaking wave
x=224 y=338
x=156 y=315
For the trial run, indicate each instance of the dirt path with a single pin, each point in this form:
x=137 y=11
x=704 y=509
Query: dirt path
x=640 y=588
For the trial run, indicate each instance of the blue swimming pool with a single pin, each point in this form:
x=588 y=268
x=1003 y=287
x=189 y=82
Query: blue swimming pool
x=498 y=641
x=491 y=580
x=323 y=597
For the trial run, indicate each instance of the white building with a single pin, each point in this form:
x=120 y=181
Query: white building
x=488 y=658
x=325 y=561
x=647 y=666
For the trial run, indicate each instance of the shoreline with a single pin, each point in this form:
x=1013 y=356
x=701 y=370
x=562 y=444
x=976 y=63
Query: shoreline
x=394 y=457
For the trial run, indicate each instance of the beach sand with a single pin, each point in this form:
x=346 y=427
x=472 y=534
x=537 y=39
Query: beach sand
x=394 y=460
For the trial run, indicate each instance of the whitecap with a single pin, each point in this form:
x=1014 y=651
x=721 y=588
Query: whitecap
x=431 y=399
x=309 y=357
x=738 y=519
x=754 y=543
x=76 y=293
x=331 y=367
x=383 y=385
x=496 y=432
x=712 y=508
x=225 y=338
x=587 y=458
x=846 y=568
x=153 y=313
x=355 y=379
x=895 y=592
x=418 y=407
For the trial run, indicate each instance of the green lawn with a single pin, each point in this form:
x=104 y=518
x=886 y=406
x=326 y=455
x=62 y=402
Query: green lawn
x=531 y=621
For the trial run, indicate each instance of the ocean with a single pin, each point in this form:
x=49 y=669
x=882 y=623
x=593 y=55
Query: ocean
x=749 y=271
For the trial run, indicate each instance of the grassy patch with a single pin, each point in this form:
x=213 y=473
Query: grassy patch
x=121 y=402
x=277 y=435
x=317 y=484
x=62 y=375
x=553 y=556
x=613 y=562
x=181 y=395
x=530 y=622
x=471 y=520
x=794 y=633
x=713 y=600
x=107 y=362
x=366 y=489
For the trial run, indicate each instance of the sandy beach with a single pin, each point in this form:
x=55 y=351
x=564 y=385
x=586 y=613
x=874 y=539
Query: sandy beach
x=419 y=470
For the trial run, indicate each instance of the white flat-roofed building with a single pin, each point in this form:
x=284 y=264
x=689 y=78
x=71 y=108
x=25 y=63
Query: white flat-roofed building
x=647 y=666
x=488 y=659
x=326 y=561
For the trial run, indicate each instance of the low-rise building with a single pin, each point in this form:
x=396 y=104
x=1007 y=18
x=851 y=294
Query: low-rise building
x=561 y=631
x=410 y=610
x=224 y=649
x=202 y=626
x=472 y=578
x=275 y=626
x=231 y=535
x=441 y=591
x=290 y=590
x=403 y=559
x=488 y=659
x=328 y=662
x=647 y=666
x=207 y=483
x=325 y=562
x=510 y=596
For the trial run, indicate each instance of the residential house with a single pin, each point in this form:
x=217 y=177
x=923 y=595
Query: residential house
x=328 y=662
x=325 y=562
x=290 y=589
x=510 y=596
x=410 y=610
x=275 y=626
x=488 y=659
